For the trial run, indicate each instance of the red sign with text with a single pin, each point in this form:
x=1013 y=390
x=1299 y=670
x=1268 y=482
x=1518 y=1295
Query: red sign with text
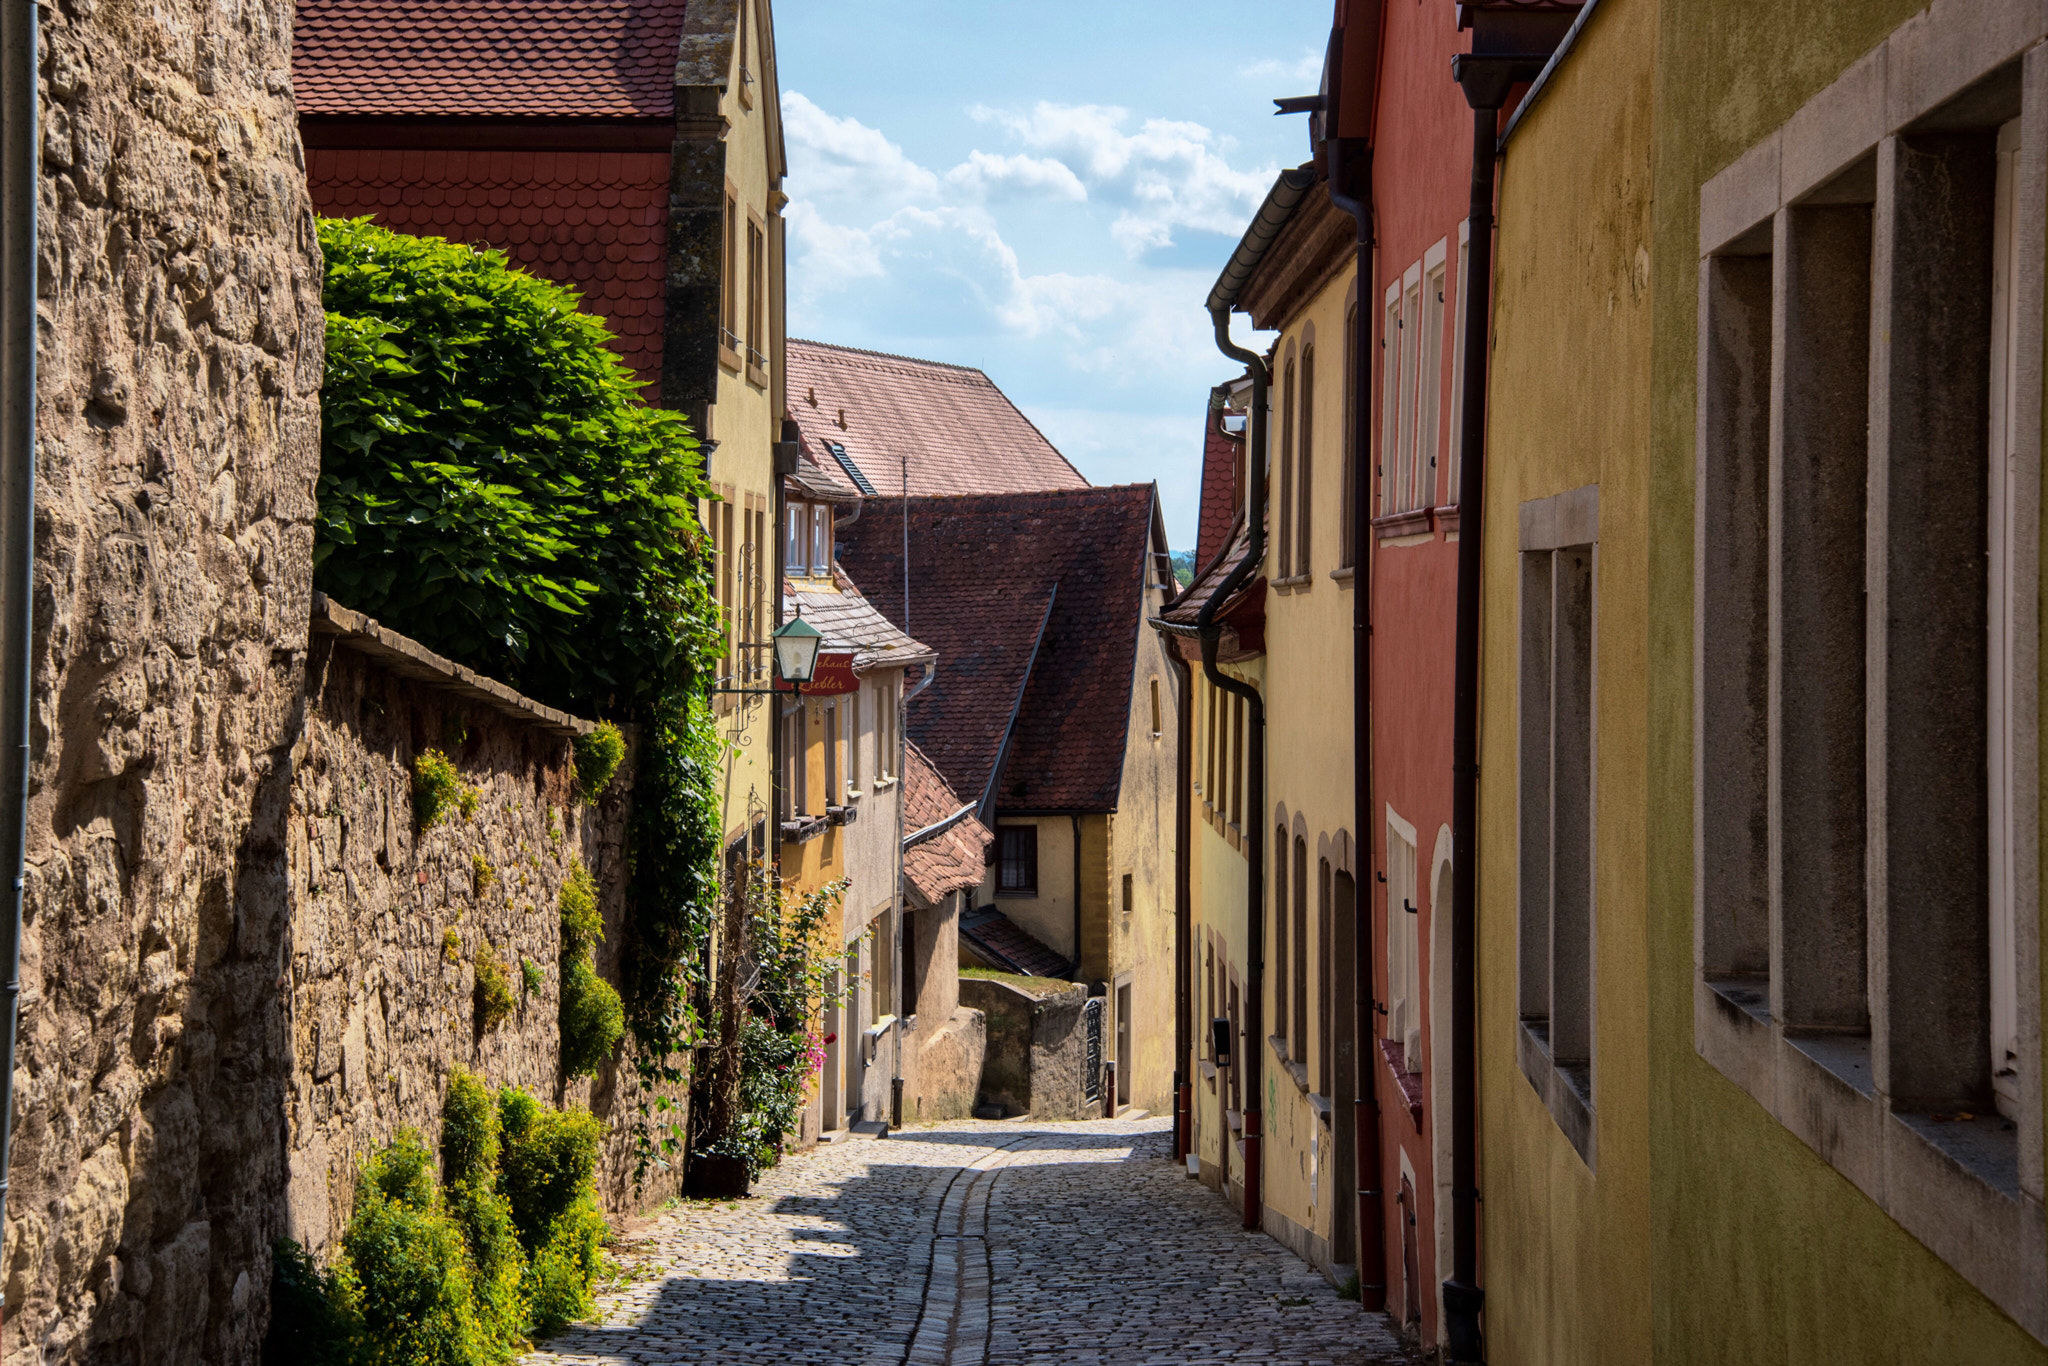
x=833 y=674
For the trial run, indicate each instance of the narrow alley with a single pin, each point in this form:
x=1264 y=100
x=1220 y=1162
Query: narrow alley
x=1002 y=1242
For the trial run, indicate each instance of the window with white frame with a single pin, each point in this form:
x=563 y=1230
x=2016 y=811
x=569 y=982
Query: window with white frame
x=1555 y=815
x=1390 y=405
x=853 y=739
x=1430 y=381
x=1404 y=990
x=1405 y=396
x=1866 y=636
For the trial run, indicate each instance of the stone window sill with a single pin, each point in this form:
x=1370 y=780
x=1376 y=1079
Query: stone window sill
x=1414 y=522
x=1951 y=1179
x=1409 y=1082
x=1321 y=1105
x=1346 y=576
x=1567 y=1088
x=1295 y=581
x=1209 y=1070
x=1298 y=1071
x=728 y=359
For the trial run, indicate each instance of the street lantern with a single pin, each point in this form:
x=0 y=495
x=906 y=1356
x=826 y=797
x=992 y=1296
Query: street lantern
x=796 y=650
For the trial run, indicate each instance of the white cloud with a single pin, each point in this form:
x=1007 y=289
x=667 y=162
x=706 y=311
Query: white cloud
x=1168 y=174
x=834 y=158
x=1305 y=72
x=988 y=175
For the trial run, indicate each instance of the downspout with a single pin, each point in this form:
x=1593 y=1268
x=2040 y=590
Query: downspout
x=902 y=720
x=1079 y=975
x=1372 y=1249
x=1183 y=941
x=1485 y=81
x=1249 y=1051
x=18 y=176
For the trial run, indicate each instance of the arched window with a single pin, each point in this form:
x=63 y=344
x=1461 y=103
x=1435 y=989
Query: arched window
x=1282 y=965
x=1299 y=1038
x=1304 y=461
x=1286 y=559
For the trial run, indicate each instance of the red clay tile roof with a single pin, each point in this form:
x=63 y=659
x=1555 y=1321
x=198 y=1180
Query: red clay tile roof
x=545 y=58
x=989 y=574
x=1219 y=493
x=595 y=221
x=1243 y=617
x=959 y=431
x=956 y=857
x=848 y=621
x=1007 y=946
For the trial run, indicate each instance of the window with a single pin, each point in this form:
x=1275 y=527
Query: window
x=1405 y=397
x=888 y=715
x=1347 y=555
x=821 y=538
x=729 y=284
x=1286 y=556
x=1326 y=1047
x=1555 y=835
x=912 y=985
x=1237 y=760
x=1430 y=386
x=1129 y=899
x=1298 y=1036
x=757 y=300
x=1211 y=794
x=1304 y=459
x=795 y=765
x=1017 y=860
x=746 y=83
x=1454 y=486
x=881 y=953
x=1156 y=730
x=1404 y=995
x=796 y=538
x=1866 y=626
x=1281 y=964
x=1206 y=1041
x=853 y=732
x=834 y=794
x=1390 y=405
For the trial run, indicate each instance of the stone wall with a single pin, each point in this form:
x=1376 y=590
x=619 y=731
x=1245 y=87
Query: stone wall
x=180 y=347
x=1036 y=1047
x=382 y=997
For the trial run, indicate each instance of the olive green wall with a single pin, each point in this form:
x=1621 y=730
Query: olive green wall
x=1762 y=1252
x=1567 y=1246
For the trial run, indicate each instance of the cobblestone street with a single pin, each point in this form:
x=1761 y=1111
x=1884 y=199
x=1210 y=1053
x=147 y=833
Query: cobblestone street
x=1009 y=1243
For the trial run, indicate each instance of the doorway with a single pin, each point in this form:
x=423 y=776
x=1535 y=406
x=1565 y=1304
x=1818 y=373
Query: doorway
x=835 y=1042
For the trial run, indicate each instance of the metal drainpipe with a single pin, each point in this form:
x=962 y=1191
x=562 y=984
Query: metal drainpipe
x=902 y=720
x=1079 y=974
x=18 y=174
x=1250 y=1054
x=1183 y=941
x=1463 y=1297
x=1372 y=1249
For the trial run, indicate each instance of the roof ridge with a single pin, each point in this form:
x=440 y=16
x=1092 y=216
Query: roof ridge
x=892 y=355
x=1018 y=493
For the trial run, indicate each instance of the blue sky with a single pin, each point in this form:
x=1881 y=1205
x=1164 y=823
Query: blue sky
x=1046 y=191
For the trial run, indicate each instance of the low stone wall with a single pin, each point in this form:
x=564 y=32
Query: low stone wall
x=947 y=1080
x=1036 y=1048
x=389 y=922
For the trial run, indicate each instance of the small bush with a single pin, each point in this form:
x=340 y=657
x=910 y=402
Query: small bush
x=592 y=1018
x=582 y=922
x=469 y=1129
x=598 y=756
x=482 y=875
x=437 y=787
x=531 y=974
x=408 y=1268
x=494 y=999
x=451 y=945
x=559 y=1278
x=403 y=1172
x=548 y=1160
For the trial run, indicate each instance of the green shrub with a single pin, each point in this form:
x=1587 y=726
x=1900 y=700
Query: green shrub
x=482 y=875
x=469 y=1128
x=436 y=787
x=408 y=1269
x=548 y=1159
x=451 y=945
x=559 y=1278
x=592 y=1019
x=491 y=482
x=403 y=1172
x=532 y=974
x=598 y=756
x=494 y=999
x=582 y=922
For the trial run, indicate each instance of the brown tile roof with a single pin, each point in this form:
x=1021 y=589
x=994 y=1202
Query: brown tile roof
x=849 y=621
x=1007 y=946
x=959 y=431
x=820 y=475
x=595 y=221
x=1034 y=602
x=956 y=857
x=545 y=58
x=1219 y=493
x=1243 y=617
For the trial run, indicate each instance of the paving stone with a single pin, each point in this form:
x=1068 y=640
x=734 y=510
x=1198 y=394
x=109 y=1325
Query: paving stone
x=976 y=1243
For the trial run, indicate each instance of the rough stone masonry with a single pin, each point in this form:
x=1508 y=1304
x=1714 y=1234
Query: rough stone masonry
x=180 y=349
